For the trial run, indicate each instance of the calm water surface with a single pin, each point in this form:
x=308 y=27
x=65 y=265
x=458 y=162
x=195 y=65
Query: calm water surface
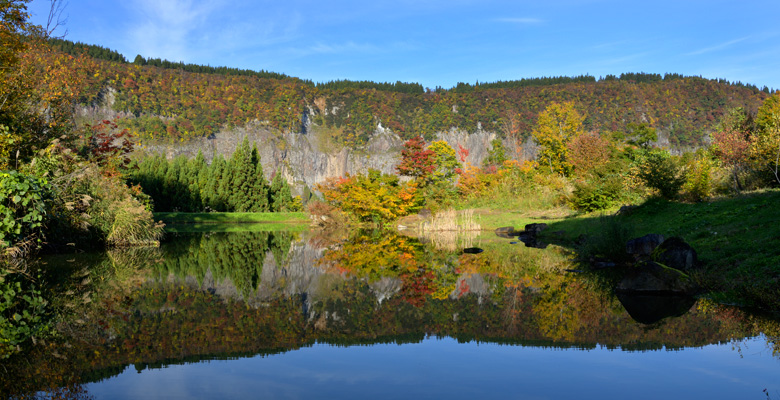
x=378 y=315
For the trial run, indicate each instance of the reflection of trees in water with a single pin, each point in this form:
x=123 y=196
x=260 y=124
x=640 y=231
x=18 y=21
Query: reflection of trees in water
x=163 y=322
x=237 y=256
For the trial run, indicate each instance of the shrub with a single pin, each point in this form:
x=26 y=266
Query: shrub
x=660 y=172
x=374 y=197
x=595 y=194
x=698 y=180
x=603 y=188
x=102 y=209
x=22 y=208
x=325 y=215
x=22 y=313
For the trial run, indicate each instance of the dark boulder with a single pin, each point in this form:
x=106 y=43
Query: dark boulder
x=651 y=308
x=644 y=245
x=506 y=232
x=535 y=228
x=676 y=253
x=650 y=277
x=530 y=240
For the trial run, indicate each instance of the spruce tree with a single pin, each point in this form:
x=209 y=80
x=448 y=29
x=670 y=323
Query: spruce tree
x=259 y=186
x=241 y=169
x=218 y=184
x=279 y=194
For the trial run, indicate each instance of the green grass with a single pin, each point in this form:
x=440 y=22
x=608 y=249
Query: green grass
x=233 y=227
x=737 y=240
x=232 y=218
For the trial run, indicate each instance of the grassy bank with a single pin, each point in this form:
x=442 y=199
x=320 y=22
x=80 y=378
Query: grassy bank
x=737 y=240
x=233 y=222
x=232 y=218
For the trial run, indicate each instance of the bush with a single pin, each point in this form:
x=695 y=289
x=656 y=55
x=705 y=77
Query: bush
x=698 y=182
x=595 y=194
x=22 y=313
x=101 y=209
x=373 y=197
x=325 y=215
x=660 y=172
x=603 y=188
x=22 y=209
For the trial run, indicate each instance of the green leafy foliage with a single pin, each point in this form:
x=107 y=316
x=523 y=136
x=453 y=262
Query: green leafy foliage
x=22 y=208
x=235 y=185
x=660 y=172
x=23 y=313
x=496 y=154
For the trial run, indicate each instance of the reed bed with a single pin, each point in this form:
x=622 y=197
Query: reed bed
x=451 y=229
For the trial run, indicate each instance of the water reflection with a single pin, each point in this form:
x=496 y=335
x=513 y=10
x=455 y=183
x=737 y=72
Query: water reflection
x=235 y=295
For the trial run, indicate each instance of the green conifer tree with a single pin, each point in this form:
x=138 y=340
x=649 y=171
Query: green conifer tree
x=279 y=194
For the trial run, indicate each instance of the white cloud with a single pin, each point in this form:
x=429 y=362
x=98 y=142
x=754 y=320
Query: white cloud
x=716 y=47
x=164 y=28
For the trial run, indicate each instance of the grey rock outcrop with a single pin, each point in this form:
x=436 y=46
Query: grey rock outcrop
x=307 y=159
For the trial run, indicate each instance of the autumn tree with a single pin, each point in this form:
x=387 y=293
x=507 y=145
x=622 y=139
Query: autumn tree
x=496 y=154
x=557 y=125
x=445 y=162
x=588 y=151
x=373 y=197
x=765 y=149
x=732 y=142
x=416 y=160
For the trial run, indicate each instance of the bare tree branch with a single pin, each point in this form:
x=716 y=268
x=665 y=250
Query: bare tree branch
x=55 y=19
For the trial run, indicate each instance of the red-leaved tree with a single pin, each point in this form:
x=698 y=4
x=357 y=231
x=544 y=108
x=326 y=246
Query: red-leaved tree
x=416 y=160
x=732 y=147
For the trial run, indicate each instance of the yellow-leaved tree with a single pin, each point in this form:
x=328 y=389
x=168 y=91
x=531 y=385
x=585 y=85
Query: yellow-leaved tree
x=765 y=148
x=557 y=125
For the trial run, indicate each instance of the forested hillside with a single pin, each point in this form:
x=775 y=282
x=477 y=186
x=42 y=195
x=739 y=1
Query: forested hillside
x=174 y=101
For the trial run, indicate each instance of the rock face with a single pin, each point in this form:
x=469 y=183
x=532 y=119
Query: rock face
x=310 y=158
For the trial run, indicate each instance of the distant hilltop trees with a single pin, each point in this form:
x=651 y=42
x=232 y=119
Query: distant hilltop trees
x=174 y=101
x=102 y=53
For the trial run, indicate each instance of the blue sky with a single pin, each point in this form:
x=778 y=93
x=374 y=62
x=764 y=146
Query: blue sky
x=440 y=43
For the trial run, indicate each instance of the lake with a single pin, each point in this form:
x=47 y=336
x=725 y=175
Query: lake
x=380 y=315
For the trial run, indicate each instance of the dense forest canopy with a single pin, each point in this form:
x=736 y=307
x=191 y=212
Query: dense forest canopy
x=175 y=101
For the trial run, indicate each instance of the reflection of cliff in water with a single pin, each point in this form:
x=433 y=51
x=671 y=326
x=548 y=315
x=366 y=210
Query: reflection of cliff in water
x=233 y=295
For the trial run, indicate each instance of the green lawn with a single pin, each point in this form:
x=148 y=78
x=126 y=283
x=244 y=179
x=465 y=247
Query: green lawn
x=737 y=240
x=233 y=222
x=232 y=218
